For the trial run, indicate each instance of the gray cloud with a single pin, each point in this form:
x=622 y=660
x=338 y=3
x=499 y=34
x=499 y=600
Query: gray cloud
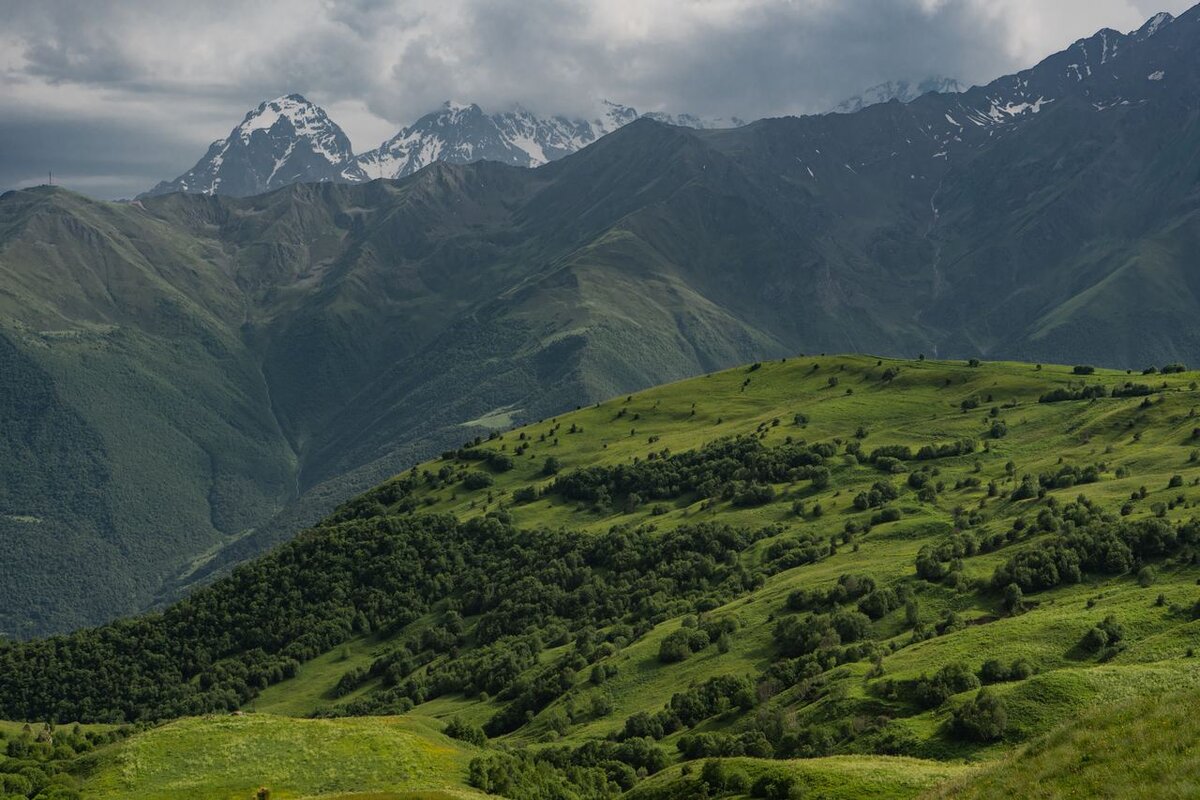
x=117 y=95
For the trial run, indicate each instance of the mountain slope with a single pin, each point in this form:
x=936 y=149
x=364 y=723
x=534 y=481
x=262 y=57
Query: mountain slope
x=804 y=568
x=141 y=434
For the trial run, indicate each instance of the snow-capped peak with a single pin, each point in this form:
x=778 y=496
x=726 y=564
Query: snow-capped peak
x=299 y=118
x=279 y=142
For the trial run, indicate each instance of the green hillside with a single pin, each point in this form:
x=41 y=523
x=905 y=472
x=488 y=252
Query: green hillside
x=848 y=576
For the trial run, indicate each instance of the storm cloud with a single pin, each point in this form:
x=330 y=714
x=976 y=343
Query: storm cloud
x=114 y=96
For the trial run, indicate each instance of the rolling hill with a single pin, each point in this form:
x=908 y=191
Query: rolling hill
x=840 y=576
x=218 y=372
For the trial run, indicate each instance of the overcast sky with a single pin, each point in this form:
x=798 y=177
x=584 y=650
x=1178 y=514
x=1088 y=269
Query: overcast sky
x=114 y=96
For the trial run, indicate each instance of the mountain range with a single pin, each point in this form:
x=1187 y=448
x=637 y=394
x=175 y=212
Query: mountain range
x=190 y=378
x=290 y=140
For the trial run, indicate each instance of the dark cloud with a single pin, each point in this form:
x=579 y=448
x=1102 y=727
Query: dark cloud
x=117 y=95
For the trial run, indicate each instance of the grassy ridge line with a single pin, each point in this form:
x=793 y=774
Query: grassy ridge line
x=920 y=405
x=230 y=757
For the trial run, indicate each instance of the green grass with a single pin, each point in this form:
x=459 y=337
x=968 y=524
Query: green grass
x=833 y=778
x=229 y=758
x=312 y=687
x=1148 y=747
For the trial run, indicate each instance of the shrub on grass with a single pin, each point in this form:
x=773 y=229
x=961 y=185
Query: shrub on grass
x=681 y=644
x=995 y=671
x=1106 y=634
x=950 y=680
x=984 y=719
x=473 y=481
x=466 y=732
x=1014 y=598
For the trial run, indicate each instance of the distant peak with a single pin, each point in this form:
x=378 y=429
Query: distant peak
x=903 y=91
x=1153 y=25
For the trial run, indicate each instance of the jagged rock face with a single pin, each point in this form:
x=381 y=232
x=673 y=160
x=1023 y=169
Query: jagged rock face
x=283 y=141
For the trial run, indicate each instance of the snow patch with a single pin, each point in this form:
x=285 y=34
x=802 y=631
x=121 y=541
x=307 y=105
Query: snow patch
x=1003 y=113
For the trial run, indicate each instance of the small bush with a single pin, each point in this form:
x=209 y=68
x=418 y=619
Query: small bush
x=984 y=719
x=526 y=494
x=995 y=671
x=889 y=514
x=679 y=645
x=474 y=481
x=1107 y=634
x=466 y=732
x=950 y=680
x=1014 y=598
